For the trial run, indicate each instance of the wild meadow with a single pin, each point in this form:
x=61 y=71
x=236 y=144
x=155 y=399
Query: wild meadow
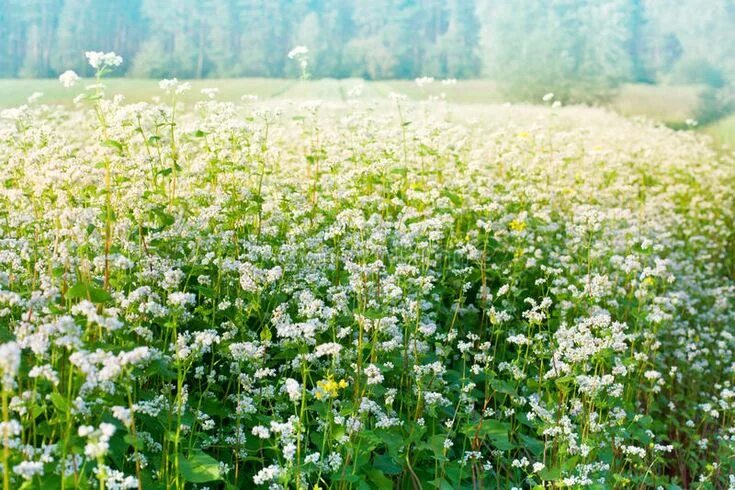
x=361 y=295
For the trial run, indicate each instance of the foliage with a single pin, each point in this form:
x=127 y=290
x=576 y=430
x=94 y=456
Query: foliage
x=714 y=104
x=235 y=38
x=579 y=49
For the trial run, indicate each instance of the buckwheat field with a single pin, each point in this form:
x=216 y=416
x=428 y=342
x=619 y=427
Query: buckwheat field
x=368 y=294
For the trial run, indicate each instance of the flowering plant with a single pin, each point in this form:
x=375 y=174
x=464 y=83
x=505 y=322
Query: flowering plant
x=375 y=294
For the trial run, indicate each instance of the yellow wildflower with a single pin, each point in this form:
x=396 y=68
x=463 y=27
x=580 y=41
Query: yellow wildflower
x=517 y=225
x=329 y=388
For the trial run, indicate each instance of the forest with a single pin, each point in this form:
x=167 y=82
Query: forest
x=590 y=44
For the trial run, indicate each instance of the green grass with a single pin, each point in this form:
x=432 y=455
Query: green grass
x=723 y=132
x=464 y=91
x=15 y=92
x=670 y=104
x=665 y=103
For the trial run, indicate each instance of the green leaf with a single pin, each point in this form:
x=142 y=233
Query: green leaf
x=79 y=290
x=134 y=441
x=164 y=219
x=495 y=430
x=442 y=484
x=393 y=442
x=570 y=463
x=436 y=445
x=503 y=386
x=118 y=448
x=564 y=384
x=98 y=295
x=113 y=144
x=379 y=480
x=48 y=481
x=59 y=402
x=534 y=445
x=84 y=290
x=386 y=464
x=162 y=369
x=347 y=477
x=199 y=467
x=456 y=200
x=373 y=314
x=5 y=334
x=550 y=473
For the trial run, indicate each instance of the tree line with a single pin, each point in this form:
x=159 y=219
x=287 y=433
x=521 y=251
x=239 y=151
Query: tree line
x=578 y=45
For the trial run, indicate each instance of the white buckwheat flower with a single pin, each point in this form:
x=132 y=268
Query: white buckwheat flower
x=292 y=387
x=297 y=52
x=9 y=363
x=69 y=78
x=99 y=60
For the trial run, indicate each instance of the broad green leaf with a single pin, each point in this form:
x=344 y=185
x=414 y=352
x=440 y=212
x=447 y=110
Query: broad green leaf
x=534 y=445
x=113 y=144
x=379 y=480
x=83 y=290
x=442 y=484
x=134 y=441
x=386 y=464
x=59 y=402
x=199 y=467
x=503 y=386
x=550 y=473
x=495 y=430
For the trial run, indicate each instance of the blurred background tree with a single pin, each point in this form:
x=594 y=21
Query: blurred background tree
x=579 y=49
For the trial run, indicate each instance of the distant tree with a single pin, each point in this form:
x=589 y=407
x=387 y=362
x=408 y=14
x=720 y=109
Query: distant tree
x=370 y=58
x=326 y=29
x=88 y=25
x=375 y=49
x=638 y=44
x=579 y=49
x=179 y=39
x=259 y=37
x=691 y=43
x=574 y=48
x=7 y=63
x=36 y=35
x=456 y=51
x=688 y=34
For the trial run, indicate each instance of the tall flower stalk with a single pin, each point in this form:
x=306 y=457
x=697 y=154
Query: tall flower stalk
x=103 y=63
